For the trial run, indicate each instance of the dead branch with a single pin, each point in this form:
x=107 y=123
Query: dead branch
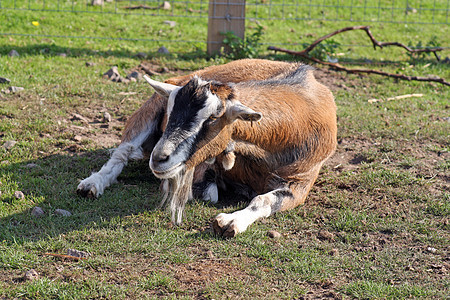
x=395 y=98
x=141 y=7
x=63 y=256
x=305 y=54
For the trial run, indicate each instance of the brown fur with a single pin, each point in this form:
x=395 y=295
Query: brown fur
x=236 y=71
x=302 y=116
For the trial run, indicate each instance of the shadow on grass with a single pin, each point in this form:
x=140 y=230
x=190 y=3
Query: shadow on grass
x=55 y=50
x=51 y=182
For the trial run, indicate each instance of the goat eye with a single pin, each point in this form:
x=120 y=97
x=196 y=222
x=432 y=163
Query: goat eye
x=213 y=118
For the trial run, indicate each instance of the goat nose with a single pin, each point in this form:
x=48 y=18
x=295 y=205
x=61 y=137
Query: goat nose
x=160 y=157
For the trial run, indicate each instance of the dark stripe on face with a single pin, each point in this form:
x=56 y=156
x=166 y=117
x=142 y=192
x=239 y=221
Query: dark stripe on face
x=187 y=103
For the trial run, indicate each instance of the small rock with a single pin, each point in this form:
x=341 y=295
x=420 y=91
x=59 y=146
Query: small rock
x=4 y=80
x=89 y=64
x=431 y=249
x=273 y=234
x=409 y=268
x=210 y=254
x=163 y=50
x=9 y=144
x=170 y=23
x=78 y=253
x=135 y=76
x=19 y=195
x=334 y=252
x=31 y=275
x=141 y=55
x=112 y=74
x=31 y=166
x=97 y=2
x=165 y=70
x=37 y=212
x=78 y=138
x=166 y=5
x=106 y=117
x=325 y=235
x=77 y=117
x=13 y=53
x=62 y=54
x=62 y=212
x=13 y=89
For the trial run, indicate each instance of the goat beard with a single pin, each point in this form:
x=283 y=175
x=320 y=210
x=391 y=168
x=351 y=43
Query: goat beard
x=177 y=191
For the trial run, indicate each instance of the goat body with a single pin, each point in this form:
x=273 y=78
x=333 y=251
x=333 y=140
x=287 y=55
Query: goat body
x=145 y=127
x=264 y=127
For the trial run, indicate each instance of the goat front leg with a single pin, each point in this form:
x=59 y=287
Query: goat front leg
x=287 y=196
x=140 y=136
x=94 y=185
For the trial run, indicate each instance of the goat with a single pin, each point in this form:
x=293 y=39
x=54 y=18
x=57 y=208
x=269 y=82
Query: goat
x=271 y=136
x=145 y=127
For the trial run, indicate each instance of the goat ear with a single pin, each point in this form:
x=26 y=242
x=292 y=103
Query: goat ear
x=164 y=89
x=239 y=111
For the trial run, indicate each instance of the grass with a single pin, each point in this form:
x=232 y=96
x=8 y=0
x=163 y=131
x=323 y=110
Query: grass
x=382 y=200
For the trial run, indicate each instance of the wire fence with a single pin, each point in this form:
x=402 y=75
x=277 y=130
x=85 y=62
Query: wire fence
x=415 y=12
x=404 y=11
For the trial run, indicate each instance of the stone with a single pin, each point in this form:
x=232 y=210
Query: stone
x=19 y=195
x=170 y=23
x=112 y=74
x=31 y=275
x=334 y=252
x=13 y=53
x=106 y=117
x=78 y=138
x=273 y=234
x=4 y=80
x=134 y=76
x=89 y=64
x=163 y=50
x=97 y=2
x=13 y=89
x=142 y=55
x=166 y=5
x=62 y=54
x=37 y=212
x=325 y=235
x=9 y=144
x=431 y=249
x=78 y=253
x=63 y=213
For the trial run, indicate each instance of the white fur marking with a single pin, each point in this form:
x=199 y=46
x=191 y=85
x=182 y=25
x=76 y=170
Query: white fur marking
x=98 y=181
x=211 y=193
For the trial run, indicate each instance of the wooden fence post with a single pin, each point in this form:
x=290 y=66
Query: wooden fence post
x=224 y=15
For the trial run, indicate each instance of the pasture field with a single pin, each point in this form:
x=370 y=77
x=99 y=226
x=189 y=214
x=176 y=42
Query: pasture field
x=375 y=225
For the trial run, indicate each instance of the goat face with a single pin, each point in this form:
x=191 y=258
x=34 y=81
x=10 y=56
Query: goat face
x=199 y=116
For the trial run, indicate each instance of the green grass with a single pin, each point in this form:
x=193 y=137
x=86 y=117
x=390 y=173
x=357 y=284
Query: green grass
x=383 y=198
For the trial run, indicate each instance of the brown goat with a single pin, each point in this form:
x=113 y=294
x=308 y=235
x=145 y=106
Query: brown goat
x=145 y=127
x=271 y=136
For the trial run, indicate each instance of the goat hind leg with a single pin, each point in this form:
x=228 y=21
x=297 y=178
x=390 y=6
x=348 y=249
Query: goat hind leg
x=286 y=196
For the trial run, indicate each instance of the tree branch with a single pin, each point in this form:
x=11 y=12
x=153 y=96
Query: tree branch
x=305 y=54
